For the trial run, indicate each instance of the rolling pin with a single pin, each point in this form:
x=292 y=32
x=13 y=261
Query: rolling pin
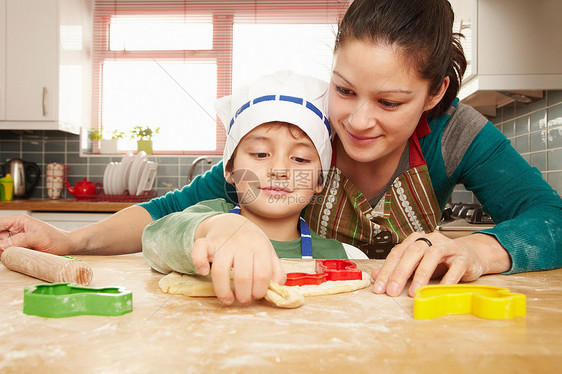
x=46 y=266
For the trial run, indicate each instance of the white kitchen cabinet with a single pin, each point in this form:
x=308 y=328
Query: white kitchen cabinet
x=69 y=221
x=516 y=48
x=31 y=60
x=2 y=60
x=46 y=59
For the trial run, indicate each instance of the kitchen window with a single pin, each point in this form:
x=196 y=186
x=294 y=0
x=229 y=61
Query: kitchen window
x=163 y=64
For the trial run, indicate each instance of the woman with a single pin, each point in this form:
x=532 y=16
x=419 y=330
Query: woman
x=397 y=65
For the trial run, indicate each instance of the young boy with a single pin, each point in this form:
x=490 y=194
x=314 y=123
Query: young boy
x=277 y=155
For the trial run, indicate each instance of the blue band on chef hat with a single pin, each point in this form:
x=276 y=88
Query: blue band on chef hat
x=291 y=99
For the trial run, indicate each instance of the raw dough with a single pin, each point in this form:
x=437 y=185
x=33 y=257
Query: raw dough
x=188 y=285
x=282 y=296
x=202 y=286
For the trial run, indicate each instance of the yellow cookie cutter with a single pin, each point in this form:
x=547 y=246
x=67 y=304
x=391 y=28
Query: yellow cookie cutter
x=482 y=301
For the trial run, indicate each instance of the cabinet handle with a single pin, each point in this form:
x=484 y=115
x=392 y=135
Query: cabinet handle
x=44 y=105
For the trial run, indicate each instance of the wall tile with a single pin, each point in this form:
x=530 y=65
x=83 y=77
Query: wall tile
x=32 y=146
x=538 y=141
x=98 y=160
x=535 y=131
x=521 y=144
x=508 y=128
x=539 y=104
x=74 y=158
x=554 y=97
x=555 y=180
x=555 y=137
x=5 y=156
x=11 y=146
x=55 y=157
x=97 y=170
x=521 y=109
x=9 y=135
x=538 y=160
x=80 y=170
x=538 y=120
x=167 y=160
x=55 y=146
x=554 y=116
x=508 y=112
x=555 y=160
x=34 y=157
x=462 y=197
x=522 y=125
x=58 y=135
x=73 y=147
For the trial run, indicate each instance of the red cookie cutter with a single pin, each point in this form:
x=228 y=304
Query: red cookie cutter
x=303 y=279
x=338 y=270
x=326 y=270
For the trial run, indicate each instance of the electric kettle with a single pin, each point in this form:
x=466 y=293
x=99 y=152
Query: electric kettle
x=25 y=174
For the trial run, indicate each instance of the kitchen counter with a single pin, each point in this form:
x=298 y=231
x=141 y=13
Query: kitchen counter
x=461 y=227
x=357 y=332
x=64 y=205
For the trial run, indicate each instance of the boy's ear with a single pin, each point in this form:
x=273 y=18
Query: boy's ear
x=319 y=187
x=228 y=177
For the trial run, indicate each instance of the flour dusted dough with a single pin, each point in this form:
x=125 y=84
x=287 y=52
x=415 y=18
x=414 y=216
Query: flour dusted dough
x=202 y=286
x=282 y=296
x=188 y=285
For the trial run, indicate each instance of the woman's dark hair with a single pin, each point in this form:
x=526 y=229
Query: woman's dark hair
x=422 y=29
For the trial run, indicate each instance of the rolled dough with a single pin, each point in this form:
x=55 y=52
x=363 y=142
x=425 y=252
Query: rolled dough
x=282 y=296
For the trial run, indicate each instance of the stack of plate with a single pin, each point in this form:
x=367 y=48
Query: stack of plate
x=134 y=174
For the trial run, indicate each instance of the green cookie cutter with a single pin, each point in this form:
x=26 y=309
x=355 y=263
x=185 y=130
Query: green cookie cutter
x=58 y=300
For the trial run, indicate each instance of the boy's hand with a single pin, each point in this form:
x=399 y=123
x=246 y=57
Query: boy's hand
x=230 y=241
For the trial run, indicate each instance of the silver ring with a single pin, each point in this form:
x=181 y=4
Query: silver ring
x=424 y=240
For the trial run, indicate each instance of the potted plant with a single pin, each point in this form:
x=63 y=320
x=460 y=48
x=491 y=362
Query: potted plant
x=143 y=135
x=107 y=146
x=104 y=146
x=95 y=135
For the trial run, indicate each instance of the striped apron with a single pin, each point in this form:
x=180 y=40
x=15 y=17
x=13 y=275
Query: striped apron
x=341 y=211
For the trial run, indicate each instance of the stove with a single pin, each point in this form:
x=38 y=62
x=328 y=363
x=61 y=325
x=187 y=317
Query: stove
x=461 y=219
x=472 y=213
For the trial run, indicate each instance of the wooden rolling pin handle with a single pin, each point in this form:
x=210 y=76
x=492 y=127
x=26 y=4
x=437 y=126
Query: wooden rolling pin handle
x=46 y=266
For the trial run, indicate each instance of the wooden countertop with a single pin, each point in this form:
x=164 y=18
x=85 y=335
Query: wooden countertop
x=357 y=332
x=63 y=205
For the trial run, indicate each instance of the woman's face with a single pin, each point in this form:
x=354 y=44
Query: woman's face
x=375 y=100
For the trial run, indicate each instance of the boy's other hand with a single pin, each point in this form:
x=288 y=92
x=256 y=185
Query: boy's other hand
x=24 y=231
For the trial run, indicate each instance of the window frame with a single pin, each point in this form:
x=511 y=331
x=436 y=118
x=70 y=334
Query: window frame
x=223 y=14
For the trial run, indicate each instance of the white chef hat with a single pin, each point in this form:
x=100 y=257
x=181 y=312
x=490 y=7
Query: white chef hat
x=282 y=96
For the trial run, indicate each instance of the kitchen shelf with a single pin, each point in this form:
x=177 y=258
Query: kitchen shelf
x=64 y=205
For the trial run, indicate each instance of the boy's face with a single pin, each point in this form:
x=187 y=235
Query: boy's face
x=275 y=170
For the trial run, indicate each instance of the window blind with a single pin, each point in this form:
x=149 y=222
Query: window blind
x=215 y=21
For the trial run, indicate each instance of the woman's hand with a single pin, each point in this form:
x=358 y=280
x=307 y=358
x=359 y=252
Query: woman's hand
x=24 y=231
x=230 y=241
x=464 y=259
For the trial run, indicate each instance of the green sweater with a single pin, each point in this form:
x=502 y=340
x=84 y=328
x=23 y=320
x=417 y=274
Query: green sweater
x=462 y=148
x=167 y=242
